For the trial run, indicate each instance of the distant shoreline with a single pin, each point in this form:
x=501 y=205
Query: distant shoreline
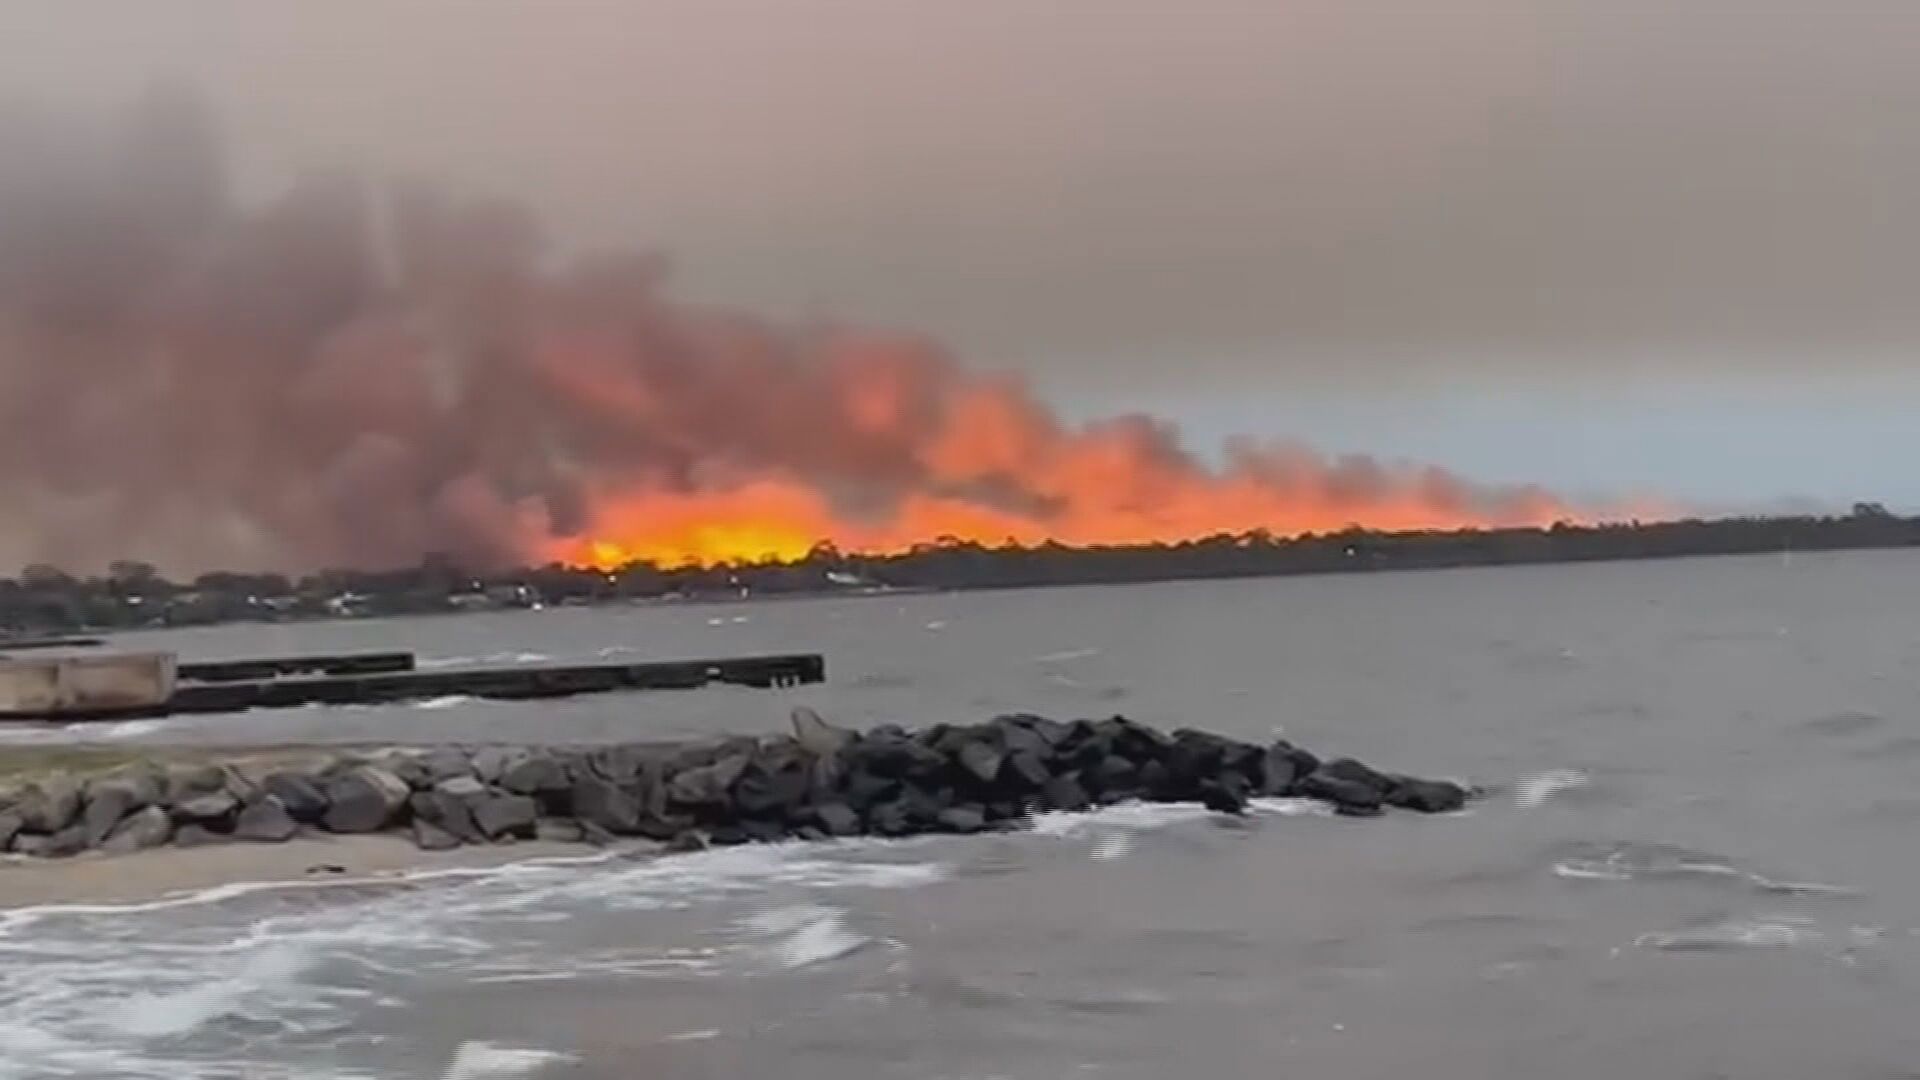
x=45 y=601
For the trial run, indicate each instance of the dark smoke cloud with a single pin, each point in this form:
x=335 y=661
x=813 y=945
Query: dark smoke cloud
x=350 y=376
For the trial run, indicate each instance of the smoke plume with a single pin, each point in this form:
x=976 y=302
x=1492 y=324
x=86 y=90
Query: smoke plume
x=344 y=376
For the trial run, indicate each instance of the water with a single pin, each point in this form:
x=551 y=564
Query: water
x=1695 y=863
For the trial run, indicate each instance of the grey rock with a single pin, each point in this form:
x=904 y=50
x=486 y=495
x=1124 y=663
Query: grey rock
x=535 y=774
x=186 y=781
x=558 y=830
x=430 y=837
x=962 y=819
x=365 y=799
x=595 y=835
x=409 y=768
x=195 y=835
x=50 y=804
x=303 y=799
x=1279 y=772
x=71 y=840
x=689 y=840
x=216 y=805
x=107 y=806
x=446 y=762
x=1347 y=795
x=461 y=787
x=707 y=785
x=816 y=735
x=1426 y=796
x=838 y=819
x=982 y=759
x=450 y=812
x=265 y=820
x=146 y=828
x=602 y=803
x=506 y=815
x=1027 y=771
x=490 y=763
x=10 y=826
x=1064 y=792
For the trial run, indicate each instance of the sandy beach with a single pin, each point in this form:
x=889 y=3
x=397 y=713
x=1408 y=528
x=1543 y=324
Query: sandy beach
x=157 y=874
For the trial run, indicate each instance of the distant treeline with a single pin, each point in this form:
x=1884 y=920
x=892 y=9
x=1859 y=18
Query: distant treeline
x=44 y=599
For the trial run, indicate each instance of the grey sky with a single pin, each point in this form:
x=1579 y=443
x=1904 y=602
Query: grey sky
x=1451 y=229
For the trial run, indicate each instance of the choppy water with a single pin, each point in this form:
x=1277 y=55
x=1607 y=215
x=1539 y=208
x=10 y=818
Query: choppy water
x=1697 y=862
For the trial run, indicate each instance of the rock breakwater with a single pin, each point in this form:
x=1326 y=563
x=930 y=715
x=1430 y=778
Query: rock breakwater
x=819 y=781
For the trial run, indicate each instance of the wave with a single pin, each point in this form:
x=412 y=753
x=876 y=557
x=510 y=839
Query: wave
x=1535 y=790
x=489 y=660
x=488 y=1061
x=1661 y=862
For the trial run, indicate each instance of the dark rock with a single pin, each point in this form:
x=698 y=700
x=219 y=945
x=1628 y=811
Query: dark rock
x=1053 y=732
x=303 y=800
x=728 y=834
x=596 y=835
x=890 y=819
x=366 y=798
x=776 y=783
x=895 y=758
x=1026 y=772
x=450 y=811
x=1425 y=796
x=1018 y=738
x=962 y=819
x=10 y=826
x=1278 y=772
x=1357 y=810
x=810 y=833
x=536 y=774
x=1064 y=792
x=982 y=759
x=1156 y=781
x=193 y=834
x=212 y=808
x=606 y=805
x=1223 y=797
x=506 y=815
x=71 y=840
x=863 y=790
x=838 y=819
x=1304 y=763
x=688 y=840
x=428 y=836
x=764 y=831
x=558 y=830
x=1114 y=775
x=707 y=785
x=1349 y=769
x=266 y=820
x=145 y=828
x=1343 y=793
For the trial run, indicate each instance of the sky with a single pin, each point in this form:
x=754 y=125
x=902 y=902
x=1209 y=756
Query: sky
x=1610 y=246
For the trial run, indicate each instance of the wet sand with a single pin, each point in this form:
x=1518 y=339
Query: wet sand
x=95 y=878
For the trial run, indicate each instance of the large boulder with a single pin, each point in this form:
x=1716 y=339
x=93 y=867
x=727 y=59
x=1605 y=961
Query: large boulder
x=10 y=826
x=499 y=816
x=266 y=820
x=111 y=798
x=428 y=836
x=300 y=796
x=606 y=805
x=184 y=782
x=213 y=809
x=364 y=799
x=708 y=786
x=817 y=736
x=146 y=828
x=1425 y=796
x=538 y=774
x=776 y=784
x=71 y=840
x=981 y=758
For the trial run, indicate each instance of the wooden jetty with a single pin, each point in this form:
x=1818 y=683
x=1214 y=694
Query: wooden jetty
x=340 y=684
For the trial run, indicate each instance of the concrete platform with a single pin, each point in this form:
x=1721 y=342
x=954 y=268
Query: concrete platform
x=277 y=666
x=62 y=686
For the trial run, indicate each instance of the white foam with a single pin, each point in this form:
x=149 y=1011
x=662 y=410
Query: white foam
x=700 y=1035
x=446 y=701
x=1065 y=655
x=937 y=624
x=1535 y=790
x=1141 y=816
x=808 y=934
x=488 y=1061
